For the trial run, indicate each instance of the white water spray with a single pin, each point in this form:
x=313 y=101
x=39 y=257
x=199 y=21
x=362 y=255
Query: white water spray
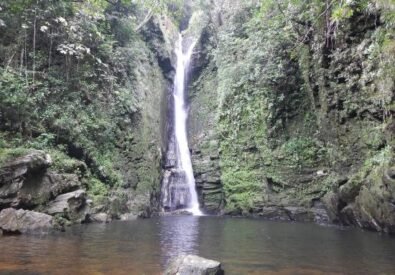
x=180 y=120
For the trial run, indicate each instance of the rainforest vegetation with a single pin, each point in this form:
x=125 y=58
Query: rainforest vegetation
x=291 y=103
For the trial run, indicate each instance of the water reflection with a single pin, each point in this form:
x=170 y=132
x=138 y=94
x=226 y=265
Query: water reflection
x=178 y=236
x=244 y=246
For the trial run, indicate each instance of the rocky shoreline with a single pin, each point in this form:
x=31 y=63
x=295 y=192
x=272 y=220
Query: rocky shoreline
x=35 y=199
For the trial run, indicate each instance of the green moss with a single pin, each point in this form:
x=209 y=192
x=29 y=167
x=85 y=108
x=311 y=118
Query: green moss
x=373 y=168
x=383 y=158
x=373 y=137
x=242 y=189
x=302 y=151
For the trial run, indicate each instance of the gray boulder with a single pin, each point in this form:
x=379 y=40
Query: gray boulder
x=71 y=206
x=193 y=265
x=14 y=173
x=14 y=221
x=128 y=217
x=100 y=218
x=30 y=163
x=26 y=183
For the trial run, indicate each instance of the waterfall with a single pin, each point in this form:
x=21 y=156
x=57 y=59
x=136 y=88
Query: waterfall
x=178 y=185
x=180 y=121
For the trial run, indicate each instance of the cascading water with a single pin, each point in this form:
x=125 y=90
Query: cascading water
x=178 y=185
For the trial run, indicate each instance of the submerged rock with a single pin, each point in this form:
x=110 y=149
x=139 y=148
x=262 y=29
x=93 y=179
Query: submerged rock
x=294 y=213
x=193 y=265
x=14 y=221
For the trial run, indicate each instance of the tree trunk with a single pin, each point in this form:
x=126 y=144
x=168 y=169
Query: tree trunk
x=34 y=44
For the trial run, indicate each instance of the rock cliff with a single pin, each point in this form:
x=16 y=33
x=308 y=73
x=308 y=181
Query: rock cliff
x=291 y=109
x=291 y=113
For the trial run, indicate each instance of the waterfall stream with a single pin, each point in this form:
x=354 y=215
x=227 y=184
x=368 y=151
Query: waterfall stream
x=178 y=185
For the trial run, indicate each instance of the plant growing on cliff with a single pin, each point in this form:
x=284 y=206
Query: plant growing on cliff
x=68 y=78
x=302 y=151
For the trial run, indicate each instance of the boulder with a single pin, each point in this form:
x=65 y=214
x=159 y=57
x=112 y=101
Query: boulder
x=40 y=189
x=128 y=202
x=193 y=265
x=367 y=203
x=19 y=167
x=71 y=206
x=36 y=189
x=26 y=183
x=14 y=221
x=14 y=173
x=128 y=217
x=99 y=218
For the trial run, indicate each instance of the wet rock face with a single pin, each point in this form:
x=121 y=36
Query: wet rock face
x=202 y=133
x=193 y=265
x=175 y=191
x=303 y=156
x=14 y=221
x=208 y=178
x=369 y=204
x=295 y=213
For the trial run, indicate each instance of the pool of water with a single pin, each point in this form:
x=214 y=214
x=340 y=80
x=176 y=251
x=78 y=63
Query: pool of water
x=244 y=246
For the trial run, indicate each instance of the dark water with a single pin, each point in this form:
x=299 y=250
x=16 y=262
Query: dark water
x=244 y=246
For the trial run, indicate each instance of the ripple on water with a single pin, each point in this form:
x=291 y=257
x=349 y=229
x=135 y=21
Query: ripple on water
x=244 y=246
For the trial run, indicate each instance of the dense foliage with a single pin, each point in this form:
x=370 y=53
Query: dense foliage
x=297 y=81
x=72 y=79
x=297 y=96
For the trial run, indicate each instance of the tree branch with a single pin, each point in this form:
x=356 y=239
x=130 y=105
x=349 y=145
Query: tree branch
x=145 y=21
